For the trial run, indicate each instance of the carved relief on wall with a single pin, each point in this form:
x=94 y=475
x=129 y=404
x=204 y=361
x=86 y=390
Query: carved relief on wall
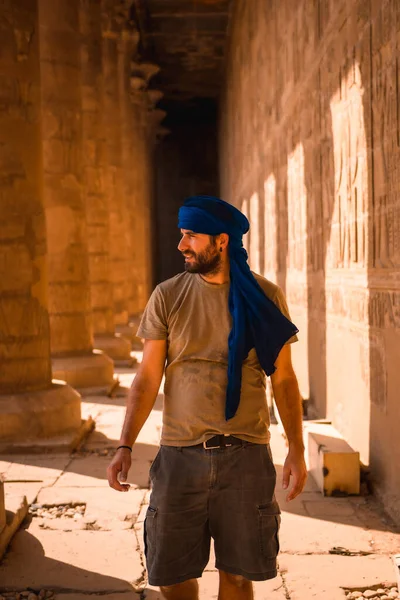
x=297 y=210
x=348 y=238
x=386 y=143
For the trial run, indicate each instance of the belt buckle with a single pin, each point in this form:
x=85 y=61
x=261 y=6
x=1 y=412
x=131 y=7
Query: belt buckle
x=219 y=445
x=210 y=447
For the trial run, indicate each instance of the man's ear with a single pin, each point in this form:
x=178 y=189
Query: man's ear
x=224 y=240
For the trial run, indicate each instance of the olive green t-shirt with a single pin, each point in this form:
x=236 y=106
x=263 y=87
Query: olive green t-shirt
x=193 y=316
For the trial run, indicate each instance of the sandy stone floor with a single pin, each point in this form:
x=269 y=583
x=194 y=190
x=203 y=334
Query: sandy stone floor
x=83 y=540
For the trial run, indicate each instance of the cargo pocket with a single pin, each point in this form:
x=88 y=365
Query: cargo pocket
x=149 y=531
x=269 y=521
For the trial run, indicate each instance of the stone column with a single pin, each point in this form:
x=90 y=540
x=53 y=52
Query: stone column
x=32 y=407
x=143 y=136
x=126 y=50
x=96 y=199
x=69 y=292
x=119 y=229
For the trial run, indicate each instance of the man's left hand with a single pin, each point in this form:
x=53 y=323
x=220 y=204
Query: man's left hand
x=294 y=467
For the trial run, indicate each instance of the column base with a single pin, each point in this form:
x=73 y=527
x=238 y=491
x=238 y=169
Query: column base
x=129 y=331
x=115 y=346
x=60 y=444
x=33 y=417
x=84 y=370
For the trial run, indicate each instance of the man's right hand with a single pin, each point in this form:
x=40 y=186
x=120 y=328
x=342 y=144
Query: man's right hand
x=118 y=469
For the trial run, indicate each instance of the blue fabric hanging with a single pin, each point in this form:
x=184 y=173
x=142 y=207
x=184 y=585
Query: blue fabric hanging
x=256 y=320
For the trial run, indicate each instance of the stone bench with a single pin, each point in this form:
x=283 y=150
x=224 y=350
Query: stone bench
x=332 y=462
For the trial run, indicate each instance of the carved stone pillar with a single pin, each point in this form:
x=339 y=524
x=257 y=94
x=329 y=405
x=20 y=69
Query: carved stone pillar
x=143 y=101
x=96 y=199
x=127 y=49
x=120 y=259
x=69 y=292
x=32 y=407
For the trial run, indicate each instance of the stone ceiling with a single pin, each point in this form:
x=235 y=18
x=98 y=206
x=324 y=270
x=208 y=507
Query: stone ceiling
x=186 y=38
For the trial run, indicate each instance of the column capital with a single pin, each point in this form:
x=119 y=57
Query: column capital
x=144 y=70
x=157 y=116
x=138 y=84
x=154 y=97
x=161 y=133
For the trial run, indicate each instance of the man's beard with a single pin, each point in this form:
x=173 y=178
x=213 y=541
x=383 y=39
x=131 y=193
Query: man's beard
x=207 y=262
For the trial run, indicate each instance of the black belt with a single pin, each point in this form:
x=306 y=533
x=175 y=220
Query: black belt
x=220 y=441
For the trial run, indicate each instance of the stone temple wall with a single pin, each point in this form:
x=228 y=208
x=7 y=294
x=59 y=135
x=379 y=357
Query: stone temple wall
x=309 y=149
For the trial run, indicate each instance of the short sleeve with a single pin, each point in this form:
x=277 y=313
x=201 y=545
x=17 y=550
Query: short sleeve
x=153 y=325
x=281 y=303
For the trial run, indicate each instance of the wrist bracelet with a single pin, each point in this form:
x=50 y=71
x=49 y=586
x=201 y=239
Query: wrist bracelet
x=128 y=447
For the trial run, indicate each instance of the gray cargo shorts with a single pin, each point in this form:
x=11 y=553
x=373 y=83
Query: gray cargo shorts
x=226 y=494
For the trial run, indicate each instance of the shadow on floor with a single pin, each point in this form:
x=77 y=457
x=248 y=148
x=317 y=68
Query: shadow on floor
x=359 y=511
x=26 y=566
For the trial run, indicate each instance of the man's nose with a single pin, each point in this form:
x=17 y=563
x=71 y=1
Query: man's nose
x=182 y=245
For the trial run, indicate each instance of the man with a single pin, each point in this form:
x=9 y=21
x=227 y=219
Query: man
x=220 y=329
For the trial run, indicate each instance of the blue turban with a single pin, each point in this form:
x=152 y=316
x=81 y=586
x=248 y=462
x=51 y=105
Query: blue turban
x=256 y=320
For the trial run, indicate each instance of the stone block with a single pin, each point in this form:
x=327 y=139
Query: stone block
x=17 y=509
x=23 y=372
x=39 y=415
x=101 y=295
x=115 y=346
x=85 y=371
x=17 y=262
x=128 y=331
x=70 y=334
x=333 y=464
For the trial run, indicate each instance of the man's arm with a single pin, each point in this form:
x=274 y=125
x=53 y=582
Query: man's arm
x=141 y=399
x=288 y=402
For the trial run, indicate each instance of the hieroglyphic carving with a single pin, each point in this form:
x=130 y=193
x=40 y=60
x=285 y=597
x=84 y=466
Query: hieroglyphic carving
x=378 y=369
x=384 y=309
x=348 y=238
x=386 y=218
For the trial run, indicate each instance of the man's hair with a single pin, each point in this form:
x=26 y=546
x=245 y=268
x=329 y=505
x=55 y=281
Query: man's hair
x=213 y=239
